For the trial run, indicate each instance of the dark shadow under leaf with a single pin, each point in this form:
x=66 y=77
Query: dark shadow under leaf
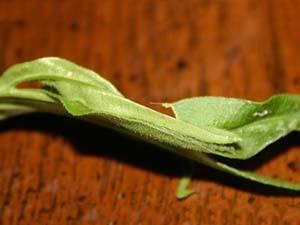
x=89 y=139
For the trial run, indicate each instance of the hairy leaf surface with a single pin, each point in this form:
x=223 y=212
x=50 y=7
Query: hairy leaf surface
x=257 y=123
x=232 y=128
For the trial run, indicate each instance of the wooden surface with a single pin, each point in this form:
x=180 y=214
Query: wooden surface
x=59 y=171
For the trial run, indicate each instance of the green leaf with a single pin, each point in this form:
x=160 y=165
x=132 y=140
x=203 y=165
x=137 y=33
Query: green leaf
x=257 y=123
x=84 y=93
x=258 y=178
x=70 y=90
x=208 y=161
x=10 y=110
x=58 y=72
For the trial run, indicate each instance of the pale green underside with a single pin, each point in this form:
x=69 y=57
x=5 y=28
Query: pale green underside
x=231 y=128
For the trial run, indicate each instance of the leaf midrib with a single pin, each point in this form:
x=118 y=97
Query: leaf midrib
x=270 y=118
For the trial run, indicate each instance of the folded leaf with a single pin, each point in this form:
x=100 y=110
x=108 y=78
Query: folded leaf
x=56 y=69
x=210 y=125
x=257 y=123
x=84 y=93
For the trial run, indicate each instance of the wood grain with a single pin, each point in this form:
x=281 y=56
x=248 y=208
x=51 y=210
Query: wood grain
x=58 y=171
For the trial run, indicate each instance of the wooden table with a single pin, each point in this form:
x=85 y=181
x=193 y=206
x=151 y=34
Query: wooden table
x=60 y=171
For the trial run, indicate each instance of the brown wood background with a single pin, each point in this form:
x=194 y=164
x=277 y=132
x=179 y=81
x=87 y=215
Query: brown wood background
x=59 y=171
